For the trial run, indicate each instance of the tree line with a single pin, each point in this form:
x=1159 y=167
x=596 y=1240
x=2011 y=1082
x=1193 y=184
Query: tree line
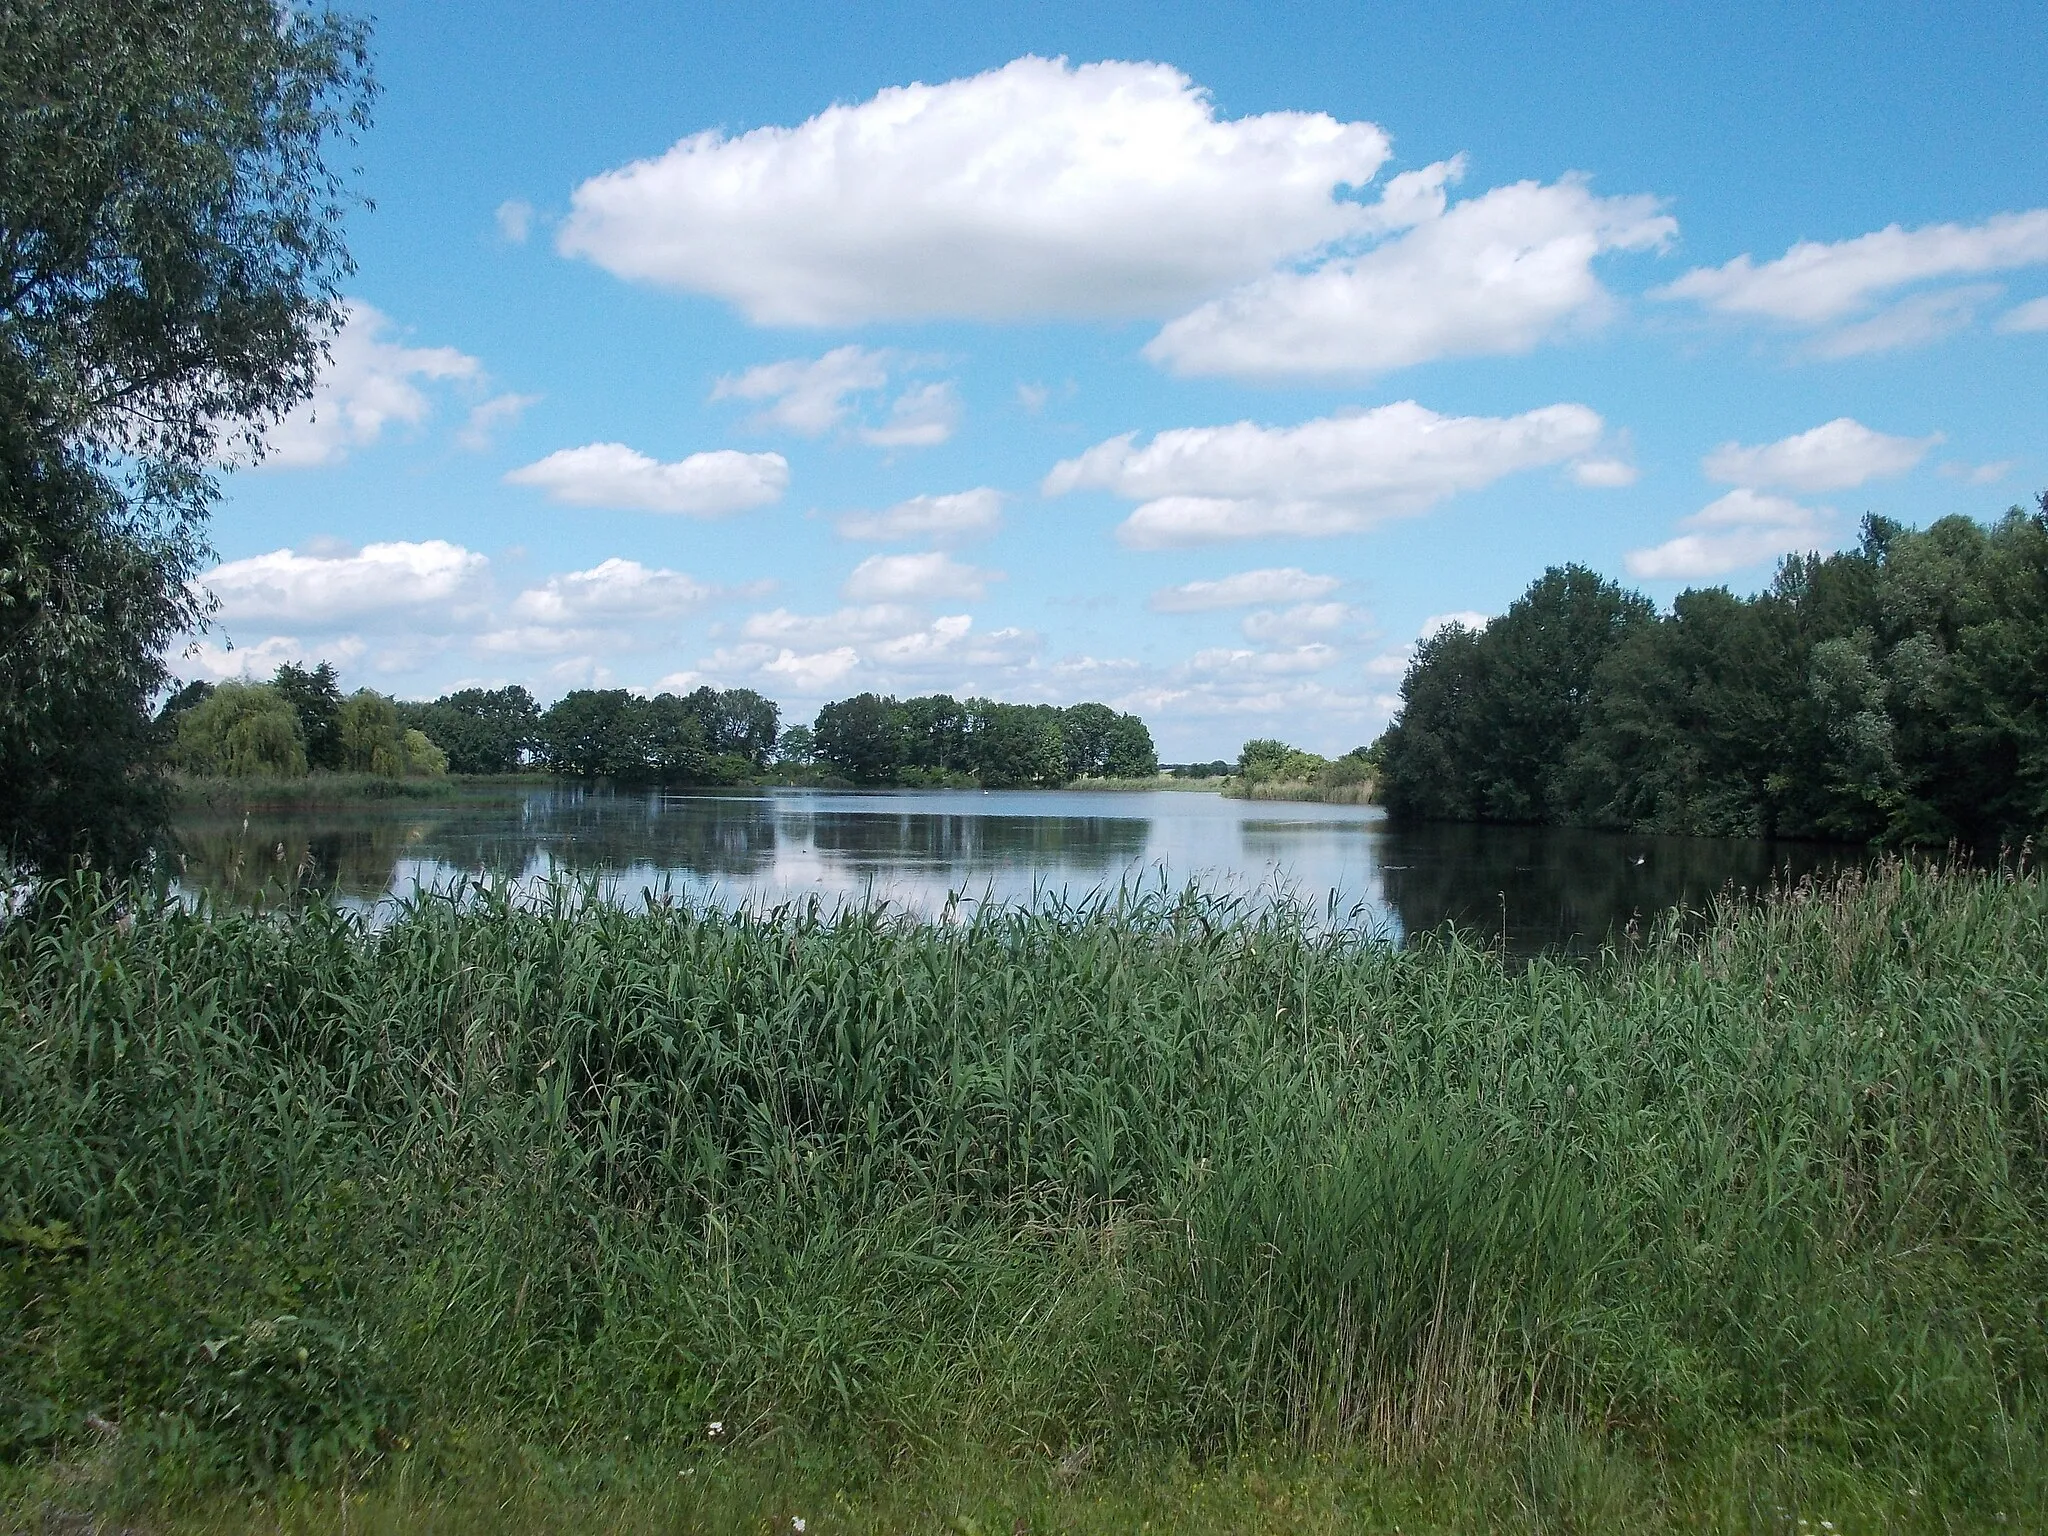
x=300 y=722
x=1895 y=693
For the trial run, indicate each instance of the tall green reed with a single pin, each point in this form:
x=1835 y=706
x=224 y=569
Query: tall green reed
x=1155 y=1168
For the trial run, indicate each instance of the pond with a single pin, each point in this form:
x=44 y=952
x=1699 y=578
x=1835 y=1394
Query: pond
x=1531 y=888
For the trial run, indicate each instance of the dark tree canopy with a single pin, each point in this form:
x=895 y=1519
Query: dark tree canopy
x=170 y=260
x=315 y=696
x=483 y=730
x=1897 y=692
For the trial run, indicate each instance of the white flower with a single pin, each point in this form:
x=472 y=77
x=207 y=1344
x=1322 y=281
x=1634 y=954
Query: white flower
x=715 y=1428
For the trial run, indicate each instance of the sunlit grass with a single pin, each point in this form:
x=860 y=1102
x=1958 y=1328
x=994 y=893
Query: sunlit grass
x=1138 y=1203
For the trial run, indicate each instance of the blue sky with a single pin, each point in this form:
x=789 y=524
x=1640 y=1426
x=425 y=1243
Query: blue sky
x=1191 y=358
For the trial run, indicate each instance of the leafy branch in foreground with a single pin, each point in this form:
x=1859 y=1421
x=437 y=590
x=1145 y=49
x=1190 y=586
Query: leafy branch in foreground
x=170 y=259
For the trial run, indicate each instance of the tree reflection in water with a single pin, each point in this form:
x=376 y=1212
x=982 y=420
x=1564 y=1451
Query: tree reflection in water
x=1537 y=888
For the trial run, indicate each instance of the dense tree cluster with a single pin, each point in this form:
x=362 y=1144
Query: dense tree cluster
x=874 y=739
x=707 y=736
x=296 y=722
x=1897 y=692
x=172 y=238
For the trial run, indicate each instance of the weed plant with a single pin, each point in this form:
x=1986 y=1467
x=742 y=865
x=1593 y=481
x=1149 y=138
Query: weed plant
x=1151 y=1176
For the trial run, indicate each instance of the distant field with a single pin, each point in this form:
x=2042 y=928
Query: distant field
x=1158 y=1212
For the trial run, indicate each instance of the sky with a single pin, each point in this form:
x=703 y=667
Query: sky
x=1196 y=359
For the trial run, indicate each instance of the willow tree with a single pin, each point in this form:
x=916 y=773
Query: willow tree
x=171 y=254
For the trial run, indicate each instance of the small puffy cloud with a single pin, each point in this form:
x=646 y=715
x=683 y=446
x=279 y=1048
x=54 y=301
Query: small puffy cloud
x=808 y=396
x=548 y=640
x=811 y=674
x=261 y=660
x=2030 y=316
x=368 y=383
x=1912 y=322
x=812 y=396
x=487 y=416
x=949 y=519
x=923 y=416
x=1498 y=273
x=1036 y=189
x=1816 y=283
x=1831 y=457
x=515 y=219
x=1245 y=589
x=1332 y=475
x=613 y=475
x=1978 y=474
x=1465 y=618
x=848 y=626
x=1225 y=663
x=615 y=589
x=1302 y=622
x=908 y=578
x=1604 y=474
x=433 y=577
x=1741 y=529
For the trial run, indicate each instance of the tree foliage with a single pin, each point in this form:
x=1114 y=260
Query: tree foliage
x=241 y=731
x=483 y=730
x=1896 y=692
x=170 y=260
x=937 y=739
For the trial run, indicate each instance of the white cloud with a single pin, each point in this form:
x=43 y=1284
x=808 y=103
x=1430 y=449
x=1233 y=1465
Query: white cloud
x=1831 y=457
x=1604 y=474
x=2030 y=316
x=811 y=674
x=487 y=416
x=849 y=626
x=1332 y=475
x=906 y=578
x=549 y=640
x=883 y=646
x=1912 y=322
x=614 y=589
x=1497 y=273
x=1034 y=189
x=1221 y=662
x=1245 y=589
x=923 y=416
x=366 y=385
x=261 y=660
x=515 y=219
x=432 y=577
x=613 y=475
x=1741 y=529
x=1978 y=474
x=1302 y=622
x=810 y=396
x=948 y=519
x=1466 y=617
x=1817 y=282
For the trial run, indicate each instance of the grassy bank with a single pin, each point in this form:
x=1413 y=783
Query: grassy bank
x=1155 y=1212
x=324 y=791
x=1299 y=789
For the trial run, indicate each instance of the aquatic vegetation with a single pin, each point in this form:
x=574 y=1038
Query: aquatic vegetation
x=1149 y=1176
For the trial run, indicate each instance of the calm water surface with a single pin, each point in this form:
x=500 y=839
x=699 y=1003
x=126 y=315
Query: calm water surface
x=1536 y=888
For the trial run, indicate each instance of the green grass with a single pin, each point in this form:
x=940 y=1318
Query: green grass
x=1154 y=1209
x=321 y=790
x=1364 y=793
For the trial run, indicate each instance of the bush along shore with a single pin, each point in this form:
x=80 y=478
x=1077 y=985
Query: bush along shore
x=1156 y=1208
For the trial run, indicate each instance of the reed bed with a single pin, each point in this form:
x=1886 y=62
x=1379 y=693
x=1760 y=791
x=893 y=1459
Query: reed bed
x=1155 y=1175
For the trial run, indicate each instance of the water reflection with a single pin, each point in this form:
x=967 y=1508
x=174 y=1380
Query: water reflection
x=1533 y=888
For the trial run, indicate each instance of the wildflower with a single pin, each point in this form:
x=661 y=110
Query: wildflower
x=715 y=1430
x=796 y=1523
